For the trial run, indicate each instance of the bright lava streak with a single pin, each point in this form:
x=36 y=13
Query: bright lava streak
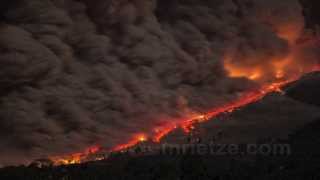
x=186 y=124
x=75 y=158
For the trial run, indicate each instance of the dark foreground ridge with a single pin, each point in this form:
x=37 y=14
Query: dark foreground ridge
x=301 y=164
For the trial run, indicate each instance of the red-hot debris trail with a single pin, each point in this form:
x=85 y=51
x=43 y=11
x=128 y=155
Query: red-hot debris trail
x=186 y=124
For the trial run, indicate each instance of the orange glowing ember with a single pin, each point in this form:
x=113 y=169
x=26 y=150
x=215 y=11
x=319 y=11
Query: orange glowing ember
x=75 y=158
x=134 y=141
x=162 y=133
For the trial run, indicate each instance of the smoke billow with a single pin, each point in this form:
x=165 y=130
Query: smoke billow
x=79 y=72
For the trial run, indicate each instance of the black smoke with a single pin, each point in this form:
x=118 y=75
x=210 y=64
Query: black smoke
x=79 y=72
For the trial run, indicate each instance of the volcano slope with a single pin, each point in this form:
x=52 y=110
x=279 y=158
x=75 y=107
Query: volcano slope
x=293 y=117
x=277 y=111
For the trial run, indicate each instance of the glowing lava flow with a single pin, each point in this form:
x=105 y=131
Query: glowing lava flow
x=186 y=124
x=247 y=98
x=75 y=158
x=136 y=140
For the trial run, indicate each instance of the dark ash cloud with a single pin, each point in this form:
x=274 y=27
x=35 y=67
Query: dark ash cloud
x=77 y=73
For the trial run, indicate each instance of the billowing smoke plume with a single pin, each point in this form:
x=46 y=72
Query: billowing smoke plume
x=78 y=72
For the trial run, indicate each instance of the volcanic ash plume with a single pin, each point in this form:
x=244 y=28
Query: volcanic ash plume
x=79 y=73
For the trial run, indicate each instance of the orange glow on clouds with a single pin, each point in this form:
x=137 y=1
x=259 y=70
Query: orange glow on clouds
x=279 y=73
x=237 y=72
